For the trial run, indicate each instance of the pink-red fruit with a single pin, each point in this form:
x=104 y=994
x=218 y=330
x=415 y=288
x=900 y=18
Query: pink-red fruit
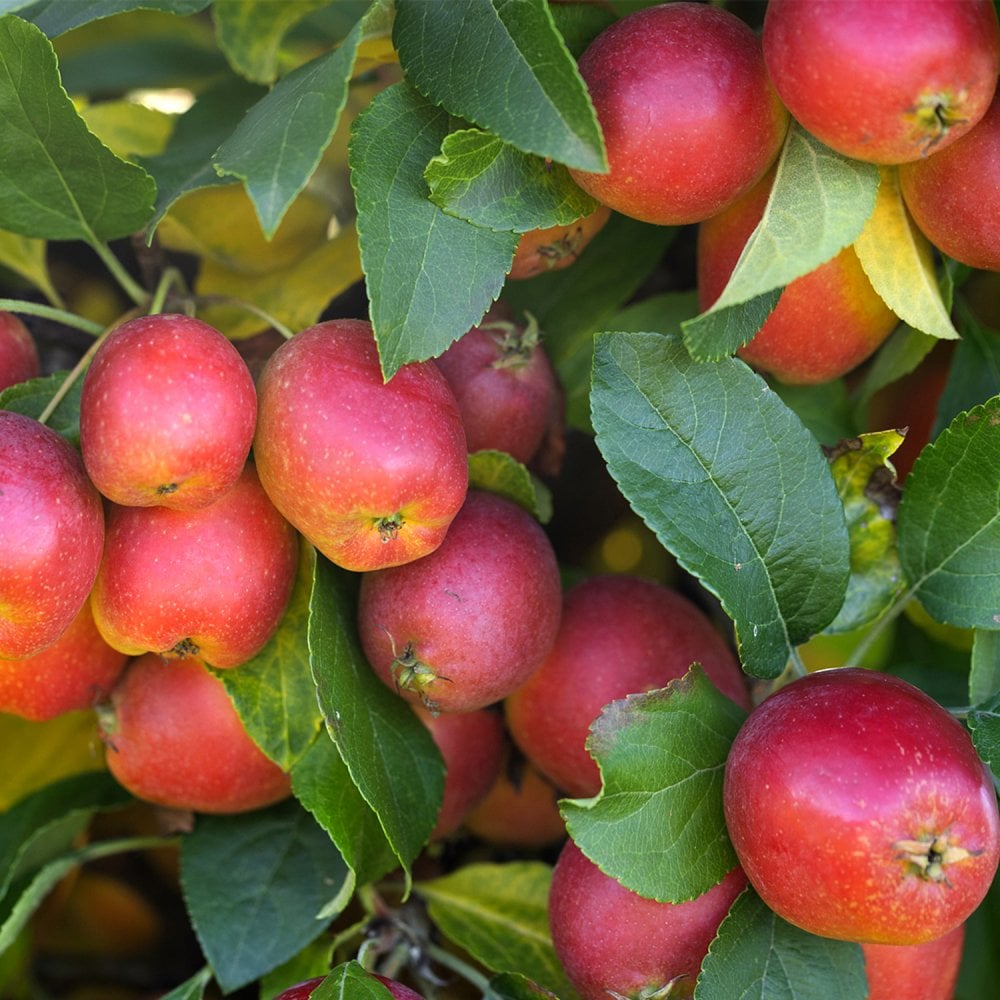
x=927 y=971
x=556 y=247
x=19 y=359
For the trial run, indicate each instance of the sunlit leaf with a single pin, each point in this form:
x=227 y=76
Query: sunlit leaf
x=27 y=257
x=129 y=129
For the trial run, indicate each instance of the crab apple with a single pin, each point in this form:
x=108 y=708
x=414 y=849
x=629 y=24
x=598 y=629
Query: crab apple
x=556 y=247
x=74 y=672
x=304 y=990
x=471 y=744
x=19 y=359
x=690 y=119
x=927 y=971
x=613 y=942
x=463 y=627
x=954 y=195
x=504 y=384
x=618 y=635
x=51 y=535
x=371 y=472
x=825 y=323
x=860 y=810
x=212 y=582
x=174 y=738
x=887 y=81
x=167 y=413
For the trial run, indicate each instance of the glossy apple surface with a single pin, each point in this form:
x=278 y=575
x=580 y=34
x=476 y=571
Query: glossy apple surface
x=954 y=196
x=51 y=535
x=212 y=582
x=890 y=81
x=371 y=472
x=619 y=635
x=173 y=738
x=860 y=810
x=556 y=247
x=613 y=942
x=167 y=413
x=689 y=116
x=19 y=359
x=825 y=323
x=927 y=971
x=463 y=627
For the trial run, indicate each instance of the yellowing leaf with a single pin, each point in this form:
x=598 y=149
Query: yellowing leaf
x=26 y=256
x=899 y=263
x=129 y=129
x=373 y=53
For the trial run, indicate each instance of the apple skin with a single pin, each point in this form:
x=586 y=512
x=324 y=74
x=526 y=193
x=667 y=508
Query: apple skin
x=619 y=635
x=74 y=672
x=505 y=387
x=927 y=971
x=212 y=582
x=51 y=535
x=889 y=81
x=825 y=323
x=954 y=195
x=556 y=247
x=690 y=119
x=304 y=990
x=463 y=627
x=167 y=413
x=860 y=810
x=19 y=359
x=174 y=739
x=371 y=472
x=609 y=938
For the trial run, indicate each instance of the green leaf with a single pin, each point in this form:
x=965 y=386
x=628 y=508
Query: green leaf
x=975 y=371
x=898 y=356
x=498 y=472
x=984 y=722
x=484 y=180
x=31 y=398
x=819 y=203
x=57 y=180
x=984 y=674
x=389 y=753
x=866 y=485
x=580 y=23
x=513 y=986
x=276 y=148
x=350 y=981
x=757 y=954
x=274 y=692
x=949 y=522
x=498 y=913
x=259 y=887
x=430 y=276
x=661 y=313
x=731 y=482
x=55 y=17
x=824 y=408
x=27 y=257
x=535 y=99
x=657 y=824
x=192 y=988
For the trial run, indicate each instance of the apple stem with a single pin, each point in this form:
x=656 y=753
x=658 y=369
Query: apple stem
x=895 y=610
x=170 y=278
x=77 y=370
x=227 y=300
x=129 y=285
x=466 y=971
x=50 y=312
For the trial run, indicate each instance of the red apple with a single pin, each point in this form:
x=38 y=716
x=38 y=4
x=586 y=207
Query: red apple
x=954 y=195
x=167 y=413
x=860 y=810
x=51 y=535
x=825 y=323
x=689 y=116
x=613 y=942
x=212 y=582
x=74 y=672
x=927 y=971
x=888 y=81
x=505 y=386
x=174 y=738
x=19 y=359
x=556 y=247
x=463 y=627
x=619 y=635
x=371 y=472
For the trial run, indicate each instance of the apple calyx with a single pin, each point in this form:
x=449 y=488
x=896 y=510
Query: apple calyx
x=410 y=674
x=930 y=856
x=165 y=489
x=664 y=992
x=184 y=647
x=933 y=116
x=515 y=344
x=388 y=527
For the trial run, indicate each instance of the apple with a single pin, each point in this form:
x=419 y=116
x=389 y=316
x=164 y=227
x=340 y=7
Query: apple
x=51 y=535
x=619 y=635
x=371 y=472
x=74 y=672
x=887 y=81
x=556 y=247
x=19 y=359
x=689 y=117
x=304 y=990
x=212 y=582
x=167 y=413
x=954 y=195
x=927 y=971
x=825 y=323
x=173 y=738
x=613 y=942
x=505 y=386
x=860 y=810
x=464 y=626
